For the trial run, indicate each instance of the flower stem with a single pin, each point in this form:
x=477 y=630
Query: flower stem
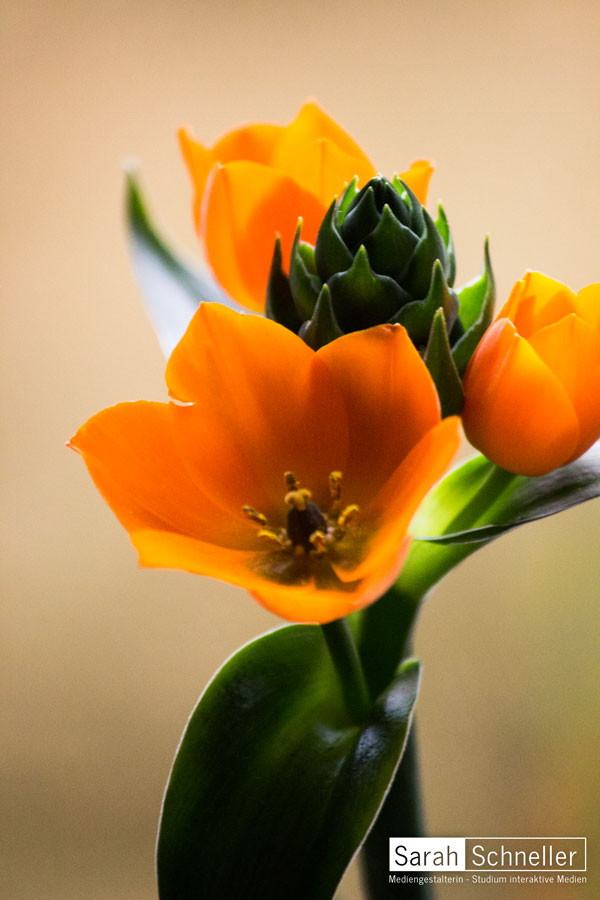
x=384 y=634
x=342 y=648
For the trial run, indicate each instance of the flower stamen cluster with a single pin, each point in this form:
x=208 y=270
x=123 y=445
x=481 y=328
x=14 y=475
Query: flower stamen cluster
x=307 y=530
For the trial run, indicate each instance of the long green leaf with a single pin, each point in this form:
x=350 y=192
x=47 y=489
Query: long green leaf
x=470 y=507
x=171 y=288
x=273 y=788
x=520 y=499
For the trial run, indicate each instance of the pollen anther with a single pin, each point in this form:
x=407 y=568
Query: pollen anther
x=291 y=481
x=319 y=542
x=254 y=515
x=347 y=514
x=267 y=535
x=307 y=531
x=298 y=498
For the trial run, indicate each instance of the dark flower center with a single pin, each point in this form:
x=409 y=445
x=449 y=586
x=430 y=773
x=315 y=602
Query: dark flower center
x=307 y=529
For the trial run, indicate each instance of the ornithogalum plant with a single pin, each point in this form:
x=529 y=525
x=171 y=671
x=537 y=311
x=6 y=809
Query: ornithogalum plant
x=297 y=446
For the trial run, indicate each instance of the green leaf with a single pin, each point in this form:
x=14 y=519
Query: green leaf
x=430 y=248
x=418 y=315
x=331 y=254
x=438 y=359
x=475 y=310
x=171 y=288
x=273 y=788
x=323 y=327
x=348 y=195
x=280 y=306
x=498 y=501
x=305 y=284
x=441 y=223
x=474 y=504
x=415 y=219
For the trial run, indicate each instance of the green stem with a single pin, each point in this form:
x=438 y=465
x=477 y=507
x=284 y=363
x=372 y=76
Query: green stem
x=400 y=816
x=346 y=660
x=489 y=490
x=384 y=633
x=385 y=628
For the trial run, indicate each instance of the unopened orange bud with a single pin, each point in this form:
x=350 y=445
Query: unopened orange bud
x=532 y=388
x=258 y=180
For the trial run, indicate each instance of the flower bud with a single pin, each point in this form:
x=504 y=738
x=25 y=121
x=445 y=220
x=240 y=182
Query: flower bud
x=532 y=388
x=380 y=258
x=375 y=251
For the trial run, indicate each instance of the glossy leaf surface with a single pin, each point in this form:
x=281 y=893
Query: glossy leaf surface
x=474 y=504
x=521 y=499
x=171 y=288
x=274 y=788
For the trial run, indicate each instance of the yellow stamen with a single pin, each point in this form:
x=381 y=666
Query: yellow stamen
x=335 y=486
x=298 y=498
x=297 y=536
x=267 y=535
x=319 y=543
x=291 y=481
x=254 y=515
x=347 y=514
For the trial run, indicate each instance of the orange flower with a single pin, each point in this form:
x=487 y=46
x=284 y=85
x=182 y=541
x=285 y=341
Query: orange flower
x=532 y=388
x=257 y=181
x=291 y=473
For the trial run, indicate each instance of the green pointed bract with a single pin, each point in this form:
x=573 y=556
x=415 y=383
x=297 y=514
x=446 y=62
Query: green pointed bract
x=375 y=249
x=280 y=305
x=475 y=311
x=305 y=284
x=331 y=254
x=383 y=258
x=439 y=361
x=415 y=217
x=418 y=315
x=361 y=220
x=323 y=327
x=350 y=192
x=441 y=223
x=360 y=298
x=390 y=241
x=430 y=248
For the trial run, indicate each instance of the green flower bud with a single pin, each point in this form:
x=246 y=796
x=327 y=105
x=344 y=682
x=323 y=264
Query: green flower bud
x=379 y=257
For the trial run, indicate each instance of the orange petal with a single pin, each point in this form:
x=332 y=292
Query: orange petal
x=165 y=550
x=199 y=161
x=324 y=170
x=252 y=142
x=571 y=350
x=245 y=206
x=317 y=603
x=587 y=305
x=264 y=403
x=516 y=411
x=537 y=301
x=417 y=177
x=131 y=456
x=588 y=410
x=394 y=505
x=320 y=155
x=307 y=603
x=391 y=402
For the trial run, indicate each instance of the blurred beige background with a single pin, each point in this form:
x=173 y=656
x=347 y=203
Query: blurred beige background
x=102 y=662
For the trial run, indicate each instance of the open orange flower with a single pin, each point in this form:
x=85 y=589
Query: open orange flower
x=532 y=388
x=291 y=473
x=257 y=181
